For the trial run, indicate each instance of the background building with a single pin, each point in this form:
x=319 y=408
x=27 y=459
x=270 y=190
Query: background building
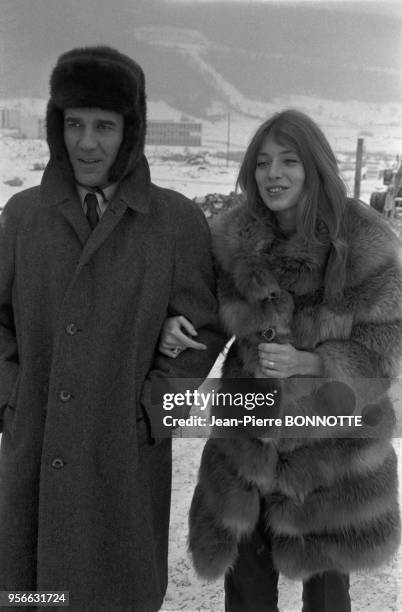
x=174 y=133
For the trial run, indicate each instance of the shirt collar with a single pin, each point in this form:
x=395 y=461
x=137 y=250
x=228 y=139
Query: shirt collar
x=134 y=190
x=103 y=195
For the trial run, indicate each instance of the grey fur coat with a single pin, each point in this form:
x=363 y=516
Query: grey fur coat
x=331 y=499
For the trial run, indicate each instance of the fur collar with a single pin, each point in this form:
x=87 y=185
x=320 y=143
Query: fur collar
x=298 y=266
x=239 y=236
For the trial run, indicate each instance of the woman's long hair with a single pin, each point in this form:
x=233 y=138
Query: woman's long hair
x=324 y=194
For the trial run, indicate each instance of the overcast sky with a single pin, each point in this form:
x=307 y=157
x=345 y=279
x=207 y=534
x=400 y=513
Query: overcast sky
x=304 y=42
x=372 y=6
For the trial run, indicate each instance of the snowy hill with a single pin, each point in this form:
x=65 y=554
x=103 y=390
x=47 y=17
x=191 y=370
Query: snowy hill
x=205 y=60
x=200 y=56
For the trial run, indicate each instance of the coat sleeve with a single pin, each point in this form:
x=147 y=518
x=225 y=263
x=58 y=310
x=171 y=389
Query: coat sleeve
x=370 y=357
x=193 y=294
x=8 y=343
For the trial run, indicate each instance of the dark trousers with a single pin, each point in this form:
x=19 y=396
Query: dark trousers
x=252 y=584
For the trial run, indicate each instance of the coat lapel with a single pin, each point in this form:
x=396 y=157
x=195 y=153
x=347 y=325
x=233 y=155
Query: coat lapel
x=106 y=225
x=134 y=192
x=56 y=191
x=73 y=213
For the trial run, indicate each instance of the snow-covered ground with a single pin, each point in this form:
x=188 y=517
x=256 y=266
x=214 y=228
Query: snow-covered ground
x=197 y=173
x=379 y=591
x=194 y=172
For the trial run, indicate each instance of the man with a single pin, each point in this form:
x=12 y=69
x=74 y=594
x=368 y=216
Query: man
x=91 y=263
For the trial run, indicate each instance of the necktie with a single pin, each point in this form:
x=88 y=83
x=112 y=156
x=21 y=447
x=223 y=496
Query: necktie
x=92 y=213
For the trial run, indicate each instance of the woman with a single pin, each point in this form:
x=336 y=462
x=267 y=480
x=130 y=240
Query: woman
x=301 y=257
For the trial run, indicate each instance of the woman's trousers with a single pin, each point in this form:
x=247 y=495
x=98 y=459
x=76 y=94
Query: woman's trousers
x=252 y=584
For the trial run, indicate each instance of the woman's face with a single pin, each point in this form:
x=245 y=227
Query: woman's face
x=280 y=178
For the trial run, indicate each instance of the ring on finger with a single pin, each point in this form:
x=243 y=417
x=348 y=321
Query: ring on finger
x=176 y=350
x=271 y=364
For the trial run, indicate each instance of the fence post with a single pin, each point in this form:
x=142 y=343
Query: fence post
x=358 y=167
x=228 y=142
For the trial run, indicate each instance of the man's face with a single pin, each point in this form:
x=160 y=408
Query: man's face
x=92 y=137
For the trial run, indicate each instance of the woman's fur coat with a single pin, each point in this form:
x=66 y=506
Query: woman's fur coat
x=331 y=498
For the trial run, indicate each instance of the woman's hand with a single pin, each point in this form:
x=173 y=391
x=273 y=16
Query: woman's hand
x=175 y=337
x=283 y=361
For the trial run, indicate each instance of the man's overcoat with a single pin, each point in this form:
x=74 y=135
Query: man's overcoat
x=85 y=487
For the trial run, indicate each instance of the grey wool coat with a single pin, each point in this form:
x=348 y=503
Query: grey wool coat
x=85 y=486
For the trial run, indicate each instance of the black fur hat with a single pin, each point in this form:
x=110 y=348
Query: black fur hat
x=98 y=77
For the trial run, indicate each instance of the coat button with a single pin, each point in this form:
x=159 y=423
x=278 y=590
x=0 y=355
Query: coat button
x=269 y=334
x=58 y=463
x=71 y=329
x=65 y=396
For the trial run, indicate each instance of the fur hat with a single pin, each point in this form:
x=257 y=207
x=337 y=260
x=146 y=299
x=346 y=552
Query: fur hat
x=98 y=77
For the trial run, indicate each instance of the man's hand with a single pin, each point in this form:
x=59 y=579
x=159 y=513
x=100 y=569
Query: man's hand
x=175 y=337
